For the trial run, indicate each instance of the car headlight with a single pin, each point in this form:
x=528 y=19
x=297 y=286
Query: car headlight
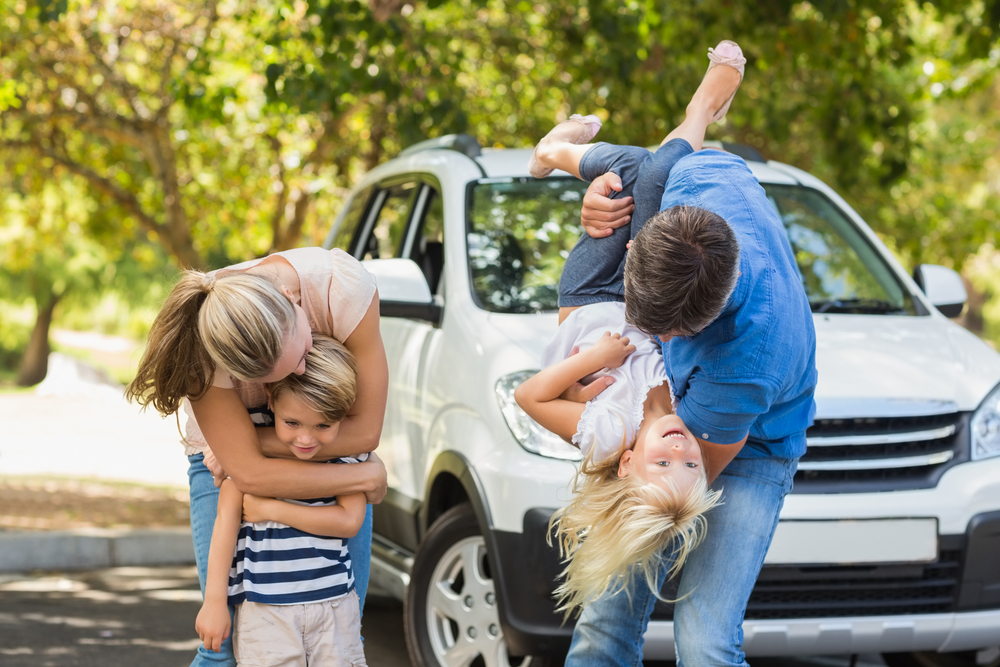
x=530 y=434
x=986 y=427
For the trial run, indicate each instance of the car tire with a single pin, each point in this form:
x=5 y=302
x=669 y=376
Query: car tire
x=933 y=659
x=450 y=613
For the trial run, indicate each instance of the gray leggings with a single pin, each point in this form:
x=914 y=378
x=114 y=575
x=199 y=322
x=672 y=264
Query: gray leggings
x=595 y=269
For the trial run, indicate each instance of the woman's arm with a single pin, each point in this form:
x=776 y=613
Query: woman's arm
x=361 y=429
x=539 y=395
x=213 y=621
x=341 y=520
x=224 y=421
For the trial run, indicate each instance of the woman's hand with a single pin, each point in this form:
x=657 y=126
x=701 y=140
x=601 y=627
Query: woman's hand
x=601 y=215
x=611 y=350
x=380 y=480
x=214 y=467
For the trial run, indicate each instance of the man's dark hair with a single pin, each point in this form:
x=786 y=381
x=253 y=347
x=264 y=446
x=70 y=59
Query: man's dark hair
x=680 y=271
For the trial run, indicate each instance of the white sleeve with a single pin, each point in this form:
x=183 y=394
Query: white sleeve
x=603 y=429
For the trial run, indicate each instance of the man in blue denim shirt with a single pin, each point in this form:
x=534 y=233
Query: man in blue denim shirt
x=745 y=386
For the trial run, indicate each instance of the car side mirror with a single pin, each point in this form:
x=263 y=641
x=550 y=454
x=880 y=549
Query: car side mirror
x=403 y=290
x=943 y=286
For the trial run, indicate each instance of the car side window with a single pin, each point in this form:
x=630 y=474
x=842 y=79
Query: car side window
x=386 y=238
x=428 y=244
x=356 y=211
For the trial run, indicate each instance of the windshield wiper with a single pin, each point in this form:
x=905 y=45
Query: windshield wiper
x=856 y=306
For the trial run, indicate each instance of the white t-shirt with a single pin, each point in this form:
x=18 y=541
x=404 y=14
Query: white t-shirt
x=614 y=416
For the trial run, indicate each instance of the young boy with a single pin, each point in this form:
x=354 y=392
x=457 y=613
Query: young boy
x=291 y=579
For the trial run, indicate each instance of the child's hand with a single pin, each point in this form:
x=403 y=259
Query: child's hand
x=255 y=508
x=611 y=350
x=212 y=625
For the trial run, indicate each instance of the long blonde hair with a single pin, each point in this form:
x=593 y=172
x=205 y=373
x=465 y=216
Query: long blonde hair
x=616 y=527
x=330 y=382
x=237 y=321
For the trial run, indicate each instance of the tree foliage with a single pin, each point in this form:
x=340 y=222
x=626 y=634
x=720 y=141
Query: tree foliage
x=224 y=130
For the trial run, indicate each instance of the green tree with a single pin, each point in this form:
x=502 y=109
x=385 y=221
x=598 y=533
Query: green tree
x=47 y=258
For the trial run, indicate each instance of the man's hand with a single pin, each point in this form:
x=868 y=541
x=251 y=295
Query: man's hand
x=588 y=388
x=601 y=215
x=214 y=467
x=376 y=494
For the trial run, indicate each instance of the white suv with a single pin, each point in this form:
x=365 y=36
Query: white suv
x=890 y=540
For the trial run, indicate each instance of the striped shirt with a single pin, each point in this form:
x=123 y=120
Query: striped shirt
x=278 y=564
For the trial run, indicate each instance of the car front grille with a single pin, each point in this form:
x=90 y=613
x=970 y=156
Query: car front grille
x=881 y=453
x=788 y=592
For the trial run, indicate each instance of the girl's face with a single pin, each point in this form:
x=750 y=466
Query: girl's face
x=297 y=343
x=669 y=451
x=300 y=428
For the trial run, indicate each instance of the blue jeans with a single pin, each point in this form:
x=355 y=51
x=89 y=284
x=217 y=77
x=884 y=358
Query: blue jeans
x=204 y=505
x=595 y=269
x=715 y=583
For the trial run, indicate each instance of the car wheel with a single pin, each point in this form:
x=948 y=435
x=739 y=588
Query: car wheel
x=932 y=659
x=450 y=614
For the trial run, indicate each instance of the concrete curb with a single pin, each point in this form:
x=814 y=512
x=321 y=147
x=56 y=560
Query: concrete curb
x=87 y=549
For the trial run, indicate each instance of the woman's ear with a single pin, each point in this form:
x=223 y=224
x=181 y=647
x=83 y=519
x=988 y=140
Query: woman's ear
x=625 y=464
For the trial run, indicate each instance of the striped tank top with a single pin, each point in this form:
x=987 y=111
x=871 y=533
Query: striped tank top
x=278 y=564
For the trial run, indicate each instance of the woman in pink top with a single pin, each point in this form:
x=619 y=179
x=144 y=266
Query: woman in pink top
x=220 y=336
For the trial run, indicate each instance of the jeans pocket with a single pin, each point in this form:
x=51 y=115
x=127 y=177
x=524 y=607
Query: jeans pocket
x=766 y=470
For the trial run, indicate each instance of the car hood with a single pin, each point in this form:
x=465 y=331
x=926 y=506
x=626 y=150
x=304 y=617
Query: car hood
x=904 y=365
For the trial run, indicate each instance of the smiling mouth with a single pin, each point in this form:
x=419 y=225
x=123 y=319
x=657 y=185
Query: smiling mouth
x=674 y=433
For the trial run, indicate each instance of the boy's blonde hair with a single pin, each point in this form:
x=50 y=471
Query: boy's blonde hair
x=619 y=526
x=237 y=321
x=330 y=383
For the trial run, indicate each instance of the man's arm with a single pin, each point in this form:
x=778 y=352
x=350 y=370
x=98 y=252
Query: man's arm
x=716 y=457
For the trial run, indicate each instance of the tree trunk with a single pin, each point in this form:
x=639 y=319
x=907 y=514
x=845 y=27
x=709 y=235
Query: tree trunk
x=35 y=362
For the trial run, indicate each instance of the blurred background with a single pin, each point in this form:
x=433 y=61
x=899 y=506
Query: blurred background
x=139 y=137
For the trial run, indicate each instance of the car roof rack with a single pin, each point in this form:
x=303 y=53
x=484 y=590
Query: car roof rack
x=748 y=153
x=465 y=144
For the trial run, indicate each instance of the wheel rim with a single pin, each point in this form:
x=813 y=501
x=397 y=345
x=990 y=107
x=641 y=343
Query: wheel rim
x=462 y=618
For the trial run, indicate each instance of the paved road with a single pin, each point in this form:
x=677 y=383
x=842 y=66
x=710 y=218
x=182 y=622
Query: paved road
x=128 y=617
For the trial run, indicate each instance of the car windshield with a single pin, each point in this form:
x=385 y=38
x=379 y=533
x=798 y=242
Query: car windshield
x=522 y=229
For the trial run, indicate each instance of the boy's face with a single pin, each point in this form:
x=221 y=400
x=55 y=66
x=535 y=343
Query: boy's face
x=669 y=451
x=300 y=428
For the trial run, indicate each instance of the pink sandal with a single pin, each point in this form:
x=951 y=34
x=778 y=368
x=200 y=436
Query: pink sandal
x=730 y=54
x=589 y=127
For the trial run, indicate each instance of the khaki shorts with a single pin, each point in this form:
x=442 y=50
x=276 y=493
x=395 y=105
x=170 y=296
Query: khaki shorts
x=318 y=634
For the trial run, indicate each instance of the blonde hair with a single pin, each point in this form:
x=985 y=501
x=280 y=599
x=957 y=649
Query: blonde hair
x=618 y=526
x=330 y=383
x=237 y=321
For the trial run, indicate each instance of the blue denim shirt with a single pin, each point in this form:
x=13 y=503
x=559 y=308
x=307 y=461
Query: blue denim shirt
x=753 y=370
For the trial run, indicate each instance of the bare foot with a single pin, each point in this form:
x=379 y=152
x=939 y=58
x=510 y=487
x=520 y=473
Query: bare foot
x=575 y=130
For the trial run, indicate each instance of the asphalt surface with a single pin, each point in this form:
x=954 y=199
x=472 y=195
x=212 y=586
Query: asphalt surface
x=144 y=616
x=132 y=617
